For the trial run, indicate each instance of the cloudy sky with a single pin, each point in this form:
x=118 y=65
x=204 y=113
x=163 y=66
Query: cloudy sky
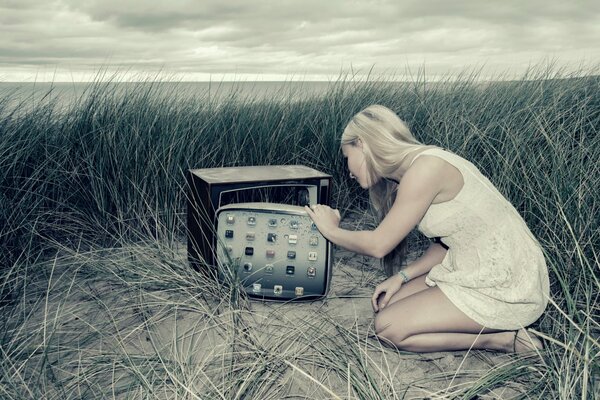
x=66 y=40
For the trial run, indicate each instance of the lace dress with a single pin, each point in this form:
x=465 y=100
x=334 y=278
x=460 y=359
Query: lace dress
x=494 y=270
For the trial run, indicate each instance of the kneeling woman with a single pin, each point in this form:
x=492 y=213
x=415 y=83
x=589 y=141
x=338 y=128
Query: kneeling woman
x=481 y=285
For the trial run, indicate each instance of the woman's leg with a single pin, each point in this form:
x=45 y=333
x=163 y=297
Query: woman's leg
x=415 y=285
x=427 y=321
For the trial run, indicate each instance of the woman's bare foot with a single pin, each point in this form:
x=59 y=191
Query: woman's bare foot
x=526 y=341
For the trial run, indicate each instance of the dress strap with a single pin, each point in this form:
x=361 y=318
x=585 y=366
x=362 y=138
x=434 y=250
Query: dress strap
x=423 y=152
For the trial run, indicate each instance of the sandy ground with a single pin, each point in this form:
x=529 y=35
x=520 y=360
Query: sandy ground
x=318 y=345
x=111 y=330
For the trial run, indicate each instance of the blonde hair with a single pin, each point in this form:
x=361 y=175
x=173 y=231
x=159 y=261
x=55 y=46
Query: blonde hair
x=387 y=141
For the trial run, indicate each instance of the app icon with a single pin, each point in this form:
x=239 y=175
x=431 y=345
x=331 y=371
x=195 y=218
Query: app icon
x=291 y=255
x=277 y=289
x=249 y=251
x=299 y=291
x=293 y=239
x=290 y=269
x=313 y=240
x=311 y=272
x=256 y=287
x=271 y=237
x=229 y=234
x=250 y=236
x=269 y=269
x=251 y=220
x=312 y=256
x=248 y=267
x=270 y=253
x=230 y=219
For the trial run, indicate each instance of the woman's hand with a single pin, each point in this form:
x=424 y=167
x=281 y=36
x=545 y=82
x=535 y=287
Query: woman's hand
x=325 y=217
x=390 y=287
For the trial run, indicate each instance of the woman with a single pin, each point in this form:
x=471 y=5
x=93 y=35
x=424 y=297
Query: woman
x=487 y=279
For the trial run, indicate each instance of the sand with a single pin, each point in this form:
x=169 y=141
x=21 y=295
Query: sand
x=120 y=322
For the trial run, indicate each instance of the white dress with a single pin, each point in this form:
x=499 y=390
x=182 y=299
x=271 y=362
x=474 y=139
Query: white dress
x=494 y=270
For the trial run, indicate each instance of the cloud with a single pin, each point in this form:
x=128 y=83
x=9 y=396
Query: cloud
x=291 y=36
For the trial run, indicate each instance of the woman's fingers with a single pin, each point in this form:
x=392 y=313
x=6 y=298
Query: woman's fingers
x=386 y=298
x=374 y=300
x=379 y=290
x=321 y=208
x=387 y=287
x=312 y=210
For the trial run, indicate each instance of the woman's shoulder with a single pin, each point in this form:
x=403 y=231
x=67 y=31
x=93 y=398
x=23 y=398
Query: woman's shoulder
x=429 y=157
x=425 y=168
x=438 y=167
x=436 y=156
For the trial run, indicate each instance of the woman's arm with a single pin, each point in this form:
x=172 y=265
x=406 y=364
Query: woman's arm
x=416 y=191
x=430 y=258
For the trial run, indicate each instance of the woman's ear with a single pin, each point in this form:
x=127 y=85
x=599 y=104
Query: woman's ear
x=359 y=143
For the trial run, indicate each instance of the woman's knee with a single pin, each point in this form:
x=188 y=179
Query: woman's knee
x=408 y=289
x=380 y=323
x=389 y=329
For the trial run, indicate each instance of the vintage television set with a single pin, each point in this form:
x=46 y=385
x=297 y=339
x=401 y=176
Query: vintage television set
x=251 y=221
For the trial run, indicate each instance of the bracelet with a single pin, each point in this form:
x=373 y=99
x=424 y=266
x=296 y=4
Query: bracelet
x=405 y=277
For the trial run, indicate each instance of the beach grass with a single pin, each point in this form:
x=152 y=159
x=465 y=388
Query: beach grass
x=98 y=300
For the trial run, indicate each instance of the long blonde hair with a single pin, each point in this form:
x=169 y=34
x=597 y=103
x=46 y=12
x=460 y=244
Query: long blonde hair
x=387 y=141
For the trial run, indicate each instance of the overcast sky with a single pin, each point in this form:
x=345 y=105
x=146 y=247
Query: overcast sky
x=66 y=40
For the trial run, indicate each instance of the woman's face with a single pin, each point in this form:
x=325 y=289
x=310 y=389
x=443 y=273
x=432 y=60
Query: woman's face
x=357 y=164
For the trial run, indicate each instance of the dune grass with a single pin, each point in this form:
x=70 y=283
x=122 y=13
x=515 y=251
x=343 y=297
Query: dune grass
x=96 y=295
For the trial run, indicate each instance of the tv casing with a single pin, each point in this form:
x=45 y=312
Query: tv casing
x=208 y=188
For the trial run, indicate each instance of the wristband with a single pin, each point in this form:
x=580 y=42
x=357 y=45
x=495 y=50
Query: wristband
x=405 y=277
